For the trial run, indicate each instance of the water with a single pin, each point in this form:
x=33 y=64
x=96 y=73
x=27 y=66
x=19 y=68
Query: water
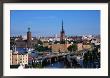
x=61 y=65
x=81 y=63
x=56 y=65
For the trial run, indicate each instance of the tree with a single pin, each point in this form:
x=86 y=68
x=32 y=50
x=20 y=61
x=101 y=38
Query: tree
x=72 y=47
x=47 y=49
x=41 y=48
x=40 y=42
x=85 y=60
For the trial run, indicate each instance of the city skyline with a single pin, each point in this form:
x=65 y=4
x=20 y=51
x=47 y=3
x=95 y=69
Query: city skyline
x=76 y=22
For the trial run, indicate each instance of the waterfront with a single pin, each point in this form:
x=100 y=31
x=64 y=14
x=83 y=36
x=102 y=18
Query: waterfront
x=61 y=60
x=64 y=60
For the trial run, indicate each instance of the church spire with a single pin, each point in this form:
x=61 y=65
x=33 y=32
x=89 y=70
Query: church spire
x=62 y=26
x=62 y=34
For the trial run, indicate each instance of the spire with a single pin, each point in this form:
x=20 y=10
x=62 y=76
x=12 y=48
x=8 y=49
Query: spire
x=62 y=34
x=62 y=27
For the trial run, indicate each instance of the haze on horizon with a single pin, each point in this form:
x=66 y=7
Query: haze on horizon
x=49 y=22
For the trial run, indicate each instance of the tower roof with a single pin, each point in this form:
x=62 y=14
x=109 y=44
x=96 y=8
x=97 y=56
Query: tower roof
x=28 y=29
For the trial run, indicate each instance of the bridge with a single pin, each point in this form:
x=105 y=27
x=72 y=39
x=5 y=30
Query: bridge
x=69 y=60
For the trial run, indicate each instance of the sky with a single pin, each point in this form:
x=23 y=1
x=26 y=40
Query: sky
x=49 y=22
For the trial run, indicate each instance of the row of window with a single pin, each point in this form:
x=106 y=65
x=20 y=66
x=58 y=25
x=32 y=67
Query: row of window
x=19 y=62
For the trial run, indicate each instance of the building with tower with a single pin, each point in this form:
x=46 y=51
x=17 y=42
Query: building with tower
x=21 y=43
x=62 y=46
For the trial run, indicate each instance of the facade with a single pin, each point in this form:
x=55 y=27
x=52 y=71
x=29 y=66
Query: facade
x=96 y=41
x=79 y=46
x=10 y=57
x=18 y=58
x=23 y=59
x=88 y=46
x=25 y=43
x=14 y=58
x=60 y=47
x=21 y=43
x=45 y=44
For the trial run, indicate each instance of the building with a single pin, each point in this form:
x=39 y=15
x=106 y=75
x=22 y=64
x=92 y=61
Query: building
x=23 y=58
x=21 y=43
x=60 y=47
x=13 y=58
x=10 y=57
x=89 y=47
x=17 y=58
x=74 y=38
x=45 y=43
x=79 y=46
x=95 y=41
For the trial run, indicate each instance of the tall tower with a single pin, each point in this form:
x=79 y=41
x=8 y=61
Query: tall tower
x=29 y=38
x=62 y=34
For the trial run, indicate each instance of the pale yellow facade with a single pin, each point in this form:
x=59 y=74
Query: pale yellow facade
x=23 y=59
x=81 y=46
x=11 y=57
x=87 y=46
x=16 y=58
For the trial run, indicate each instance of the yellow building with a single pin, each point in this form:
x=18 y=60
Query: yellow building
x=18 y=58
x=45 y=43
x=14 y=58
x=87 y=46
x=81 y=46
x=10 y=57
x=23 y=59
